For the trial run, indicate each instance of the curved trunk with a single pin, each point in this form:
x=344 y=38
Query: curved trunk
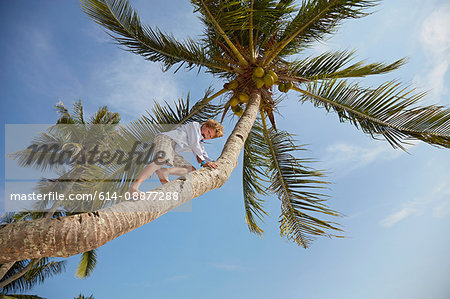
x=70 y=235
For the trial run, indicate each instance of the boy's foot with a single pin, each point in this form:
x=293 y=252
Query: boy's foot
x=163 y=175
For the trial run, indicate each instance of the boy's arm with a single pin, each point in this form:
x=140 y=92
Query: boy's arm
x=208 y=164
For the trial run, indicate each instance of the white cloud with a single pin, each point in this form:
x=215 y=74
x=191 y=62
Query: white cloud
x=438 y=200
x=400 y=215
x=435 y=40
x=130 y=85
x=347 y=158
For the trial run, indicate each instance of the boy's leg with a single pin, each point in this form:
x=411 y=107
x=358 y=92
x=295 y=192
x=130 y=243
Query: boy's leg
x=144 y=175
x=163 y=155
x=163 y=173
x=182 y=167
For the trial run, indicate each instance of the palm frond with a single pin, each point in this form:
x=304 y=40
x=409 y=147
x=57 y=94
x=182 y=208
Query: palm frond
x=297 y=186
x=78 y=112
x=41 y=153
x=40 y=270
x=43 y=270
x=105 y=117
x=243 y=22
x=64 y=114
x=254 y=178
x=314 y=20
x=182 y=113
x=389 y=110
x=20 y=296
x=230 y=11
x=125 y=27
x=330 y=65
x=87 y=264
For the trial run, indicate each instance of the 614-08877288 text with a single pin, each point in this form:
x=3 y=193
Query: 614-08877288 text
x=150 y=195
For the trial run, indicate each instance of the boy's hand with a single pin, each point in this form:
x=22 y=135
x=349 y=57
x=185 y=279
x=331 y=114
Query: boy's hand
x=210 y=165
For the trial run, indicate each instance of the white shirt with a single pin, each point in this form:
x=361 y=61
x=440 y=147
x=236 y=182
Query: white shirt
x=188 y=137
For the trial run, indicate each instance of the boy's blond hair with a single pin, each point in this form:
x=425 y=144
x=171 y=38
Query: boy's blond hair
x=211 y=123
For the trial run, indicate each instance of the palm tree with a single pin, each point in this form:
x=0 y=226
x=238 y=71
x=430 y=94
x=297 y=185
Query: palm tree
x=71 y=132
x=253 y=45
x=23 y=275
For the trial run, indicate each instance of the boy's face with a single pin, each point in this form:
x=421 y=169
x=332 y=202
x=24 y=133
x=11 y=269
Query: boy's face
x=208 y=133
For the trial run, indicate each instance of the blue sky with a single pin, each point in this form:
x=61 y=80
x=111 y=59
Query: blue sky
x=397 y=205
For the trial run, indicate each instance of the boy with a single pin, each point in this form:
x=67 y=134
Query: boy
x=187 y=137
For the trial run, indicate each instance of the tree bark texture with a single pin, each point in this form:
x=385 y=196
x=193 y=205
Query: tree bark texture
x=70 y=235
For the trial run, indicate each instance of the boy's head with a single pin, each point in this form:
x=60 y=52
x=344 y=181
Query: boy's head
x=211 y=129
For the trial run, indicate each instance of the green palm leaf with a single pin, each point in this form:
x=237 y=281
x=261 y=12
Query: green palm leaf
x=121 y=20
x=64 y=115
x=182 y=113
x=228 y=13
x=389 y=110
x=330 y=65
x=269 y=158
x=87 y=264
x=104 y=117
x=20 y=296
x=254 y=178
x=295 y=185
x=40 y=270
x=40 y=153
x=78 y=112
x=314 y=20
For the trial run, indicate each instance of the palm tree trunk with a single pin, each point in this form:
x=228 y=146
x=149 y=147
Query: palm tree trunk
x=70 y=235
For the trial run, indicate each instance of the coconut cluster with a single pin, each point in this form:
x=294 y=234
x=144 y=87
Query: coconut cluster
x=285 y=86
x=262 y=79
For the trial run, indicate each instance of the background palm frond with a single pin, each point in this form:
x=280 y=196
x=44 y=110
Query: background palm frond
x=42 y=269
x=20 y=296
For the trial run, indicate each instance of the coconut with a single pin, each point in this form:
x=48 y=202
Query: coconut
x=234 y=101
x=238 y=111
x=282 y=87
x=233 y=84
x=243 y=97
x=268 y=80
x=274 y=75
x=258 y=72
x=289 y=85
x=259 y=82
